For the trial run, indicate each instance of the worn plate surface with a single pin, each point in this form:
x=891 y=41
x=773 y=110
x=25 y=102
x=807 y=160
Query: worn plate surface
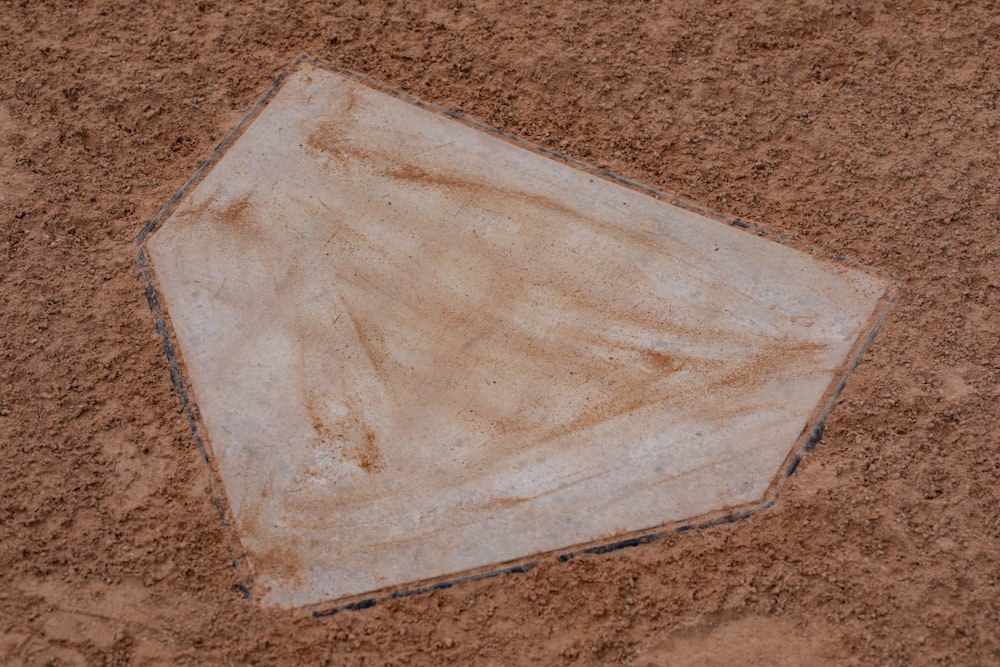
x=418 y=348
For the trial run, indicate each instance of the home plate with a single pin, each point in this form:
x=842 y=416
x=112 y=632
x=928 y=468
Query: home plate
x=419 y=349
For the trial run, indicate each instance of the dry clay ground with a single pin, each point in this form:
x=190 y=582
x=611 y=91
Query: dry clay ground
x=862 y=129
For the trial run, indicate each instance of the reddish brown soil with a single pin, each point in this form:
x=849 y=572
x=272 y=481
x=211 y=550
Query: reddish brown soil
x=868 y=130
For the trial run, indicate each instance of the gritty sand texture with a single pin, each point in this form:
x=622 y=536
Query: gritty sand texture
x=863 y=131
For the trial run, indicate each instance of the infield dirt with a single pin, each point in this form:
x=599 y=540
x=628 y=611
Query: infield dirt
x=862 y=131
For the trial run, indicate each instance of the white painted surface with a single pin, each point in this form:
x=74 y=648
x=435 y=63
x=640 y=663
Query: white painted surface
x=418 y=348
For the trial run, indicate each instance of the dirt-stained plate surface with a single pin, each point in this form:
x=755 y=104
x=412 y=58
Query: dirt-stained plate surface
x=418 y=348
x=864 y=130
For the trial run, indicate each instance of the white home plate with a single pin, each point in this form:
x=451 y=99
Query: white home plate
x=419 y=349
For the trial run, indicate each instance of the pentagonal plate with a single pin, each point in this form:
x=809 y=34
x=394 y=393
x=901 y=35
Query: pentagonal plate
x=419 y=348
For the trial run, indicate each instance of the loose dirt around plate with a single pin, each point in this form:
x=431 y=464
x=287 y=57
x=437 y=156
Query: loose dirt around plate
x=868 y=133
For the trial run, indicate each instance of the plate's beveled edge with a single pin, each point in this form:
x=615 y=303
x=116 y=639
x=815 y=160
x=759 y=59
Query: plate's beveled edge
x=805 y=443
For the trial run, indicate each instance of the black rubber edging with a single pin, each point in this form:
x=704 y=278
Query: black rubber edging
x=176 y=376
